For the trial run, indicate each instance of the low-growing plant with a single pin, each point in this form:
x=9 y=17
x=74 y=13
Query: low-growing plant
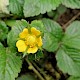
x=27 y=35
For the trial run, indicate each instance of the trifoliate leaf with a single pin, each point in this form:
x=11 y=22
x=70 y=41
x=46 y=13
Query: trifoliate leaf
x=52 y=35
x=10 y=65
x=16 y=7
x=68 y=61
x=35 y=7
x=72 y=35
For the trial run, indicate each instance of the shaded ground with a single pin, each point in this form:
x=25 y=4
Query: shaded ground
x=69 y=15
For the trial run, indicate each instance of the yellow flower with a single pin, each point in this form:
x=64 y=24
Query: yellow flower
x=30 y=40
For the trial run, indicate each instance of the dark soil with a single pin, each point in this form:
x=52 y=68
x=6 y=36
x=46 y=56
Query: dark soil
x=67 y=16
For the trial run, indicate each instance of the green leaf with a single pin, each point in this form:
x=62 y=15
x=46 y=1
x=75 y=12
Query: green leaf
x=68 y=60
x=61 y=9
x=10 y=23
x=72 y=35
x=16 y=7
x=1 y=46
x=3 y=30
x=27 y=77
x=68 y=57
x=35 y=7
x=35 y=56
x=74 y=4
x=3 y=6
x=51 y=13
x=10 y=65
x=14 y=33
x=52 y=35
x=74 y=78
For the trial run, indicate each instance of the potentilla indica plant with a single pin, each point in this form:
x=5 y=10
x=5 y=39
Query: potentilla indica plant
x=26 y=40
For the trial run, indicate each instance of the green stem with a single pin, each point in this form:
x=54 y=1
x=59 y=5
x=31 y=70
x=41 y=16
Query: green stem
x=35 y=71
x=45 y=76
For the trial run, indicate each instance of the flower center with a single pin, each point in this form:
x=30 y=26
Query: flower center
x=31 y=39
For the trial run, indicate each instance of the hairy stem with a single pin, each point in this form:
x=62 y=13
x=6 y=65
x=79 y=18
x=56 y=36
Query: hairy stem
x=42 y=72
x=35 y=71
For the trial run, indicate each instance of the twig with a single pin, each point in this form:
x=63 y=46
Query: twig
x=35 y=71
x=71 y=20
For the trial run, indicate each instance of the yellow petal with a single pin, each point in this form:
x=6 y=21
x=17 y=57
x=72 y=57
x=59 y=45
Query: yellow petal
x=21 y=45
x=24 y=33
x=22 y=49
x=35 y=31
x=32 y=50
x=39 y=42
